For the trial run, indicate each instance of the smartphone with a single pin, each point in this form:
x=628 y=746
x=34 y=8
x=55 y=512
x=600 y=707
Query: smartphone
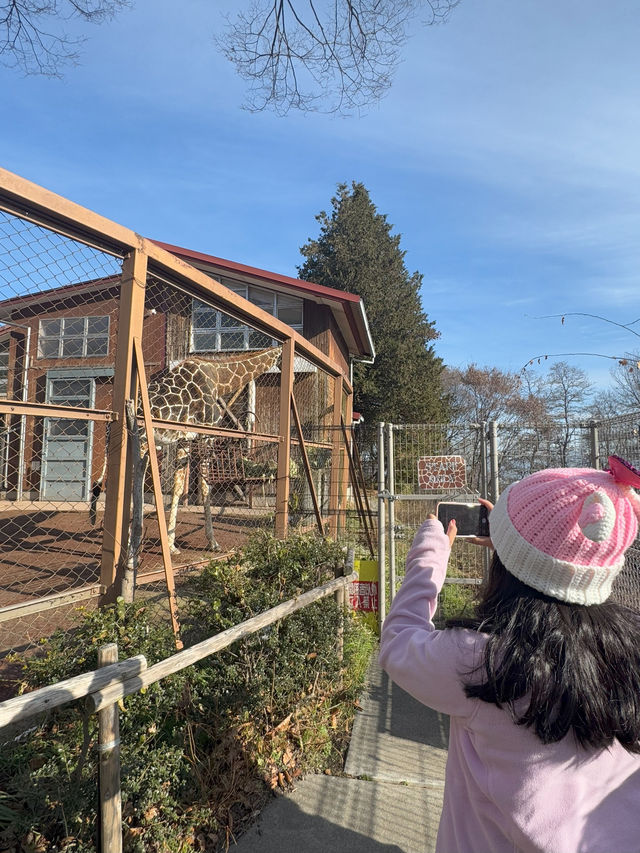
x=471 y=519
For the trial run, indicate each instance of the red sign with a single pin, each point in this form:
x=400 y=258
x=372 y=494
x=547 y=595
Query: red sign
x=363 y=595
x=441 y=472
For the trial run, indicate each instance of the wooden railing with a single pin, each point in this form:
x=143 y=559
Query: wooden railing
x=105 y=687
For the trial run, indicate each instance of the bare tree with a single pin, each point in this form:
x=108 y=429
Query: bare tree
x=323 y=55
x=336 y=56
x=32 y=37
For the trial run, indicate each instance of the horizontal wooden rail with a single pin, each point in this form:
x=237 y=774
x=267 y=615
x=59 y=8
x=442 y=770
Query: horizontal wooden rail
x=46 y=698
x=99 y=699
x=49 y=602
x=19 y=407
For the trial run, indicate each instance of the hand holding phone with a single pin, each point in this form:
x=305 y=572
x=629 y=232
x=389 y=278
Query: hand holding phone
x=472 y=519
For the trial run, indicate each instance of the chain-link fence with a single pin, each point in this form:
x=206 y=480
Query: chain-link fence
x=150 y=419
x=426 y=463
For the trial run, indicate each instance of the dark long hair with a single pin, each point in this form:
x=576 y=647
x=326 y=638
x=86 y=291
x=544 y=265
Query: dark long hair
x=575 y=668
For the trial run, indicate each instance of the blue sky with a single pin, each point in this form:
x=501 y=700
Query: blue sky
x=506 y=154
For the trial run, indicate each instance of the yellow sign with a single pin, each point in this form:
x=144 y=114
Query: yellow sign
x=363 y=593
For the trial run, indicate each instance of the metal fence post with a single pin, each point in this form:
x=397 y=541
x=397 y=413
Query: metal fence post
x=392 y=513
x=594 y=444
x=382 y=556
x=109 y=753
x=483 y=460
x=493 y=450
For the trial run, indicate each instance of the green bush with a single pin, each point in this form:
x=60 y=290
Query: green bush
x=202 y=747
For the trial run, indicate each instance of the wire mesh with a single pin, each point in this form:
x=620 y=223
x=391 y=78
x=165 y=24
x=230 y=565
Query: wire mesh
x=411 y=449
x=58 y=325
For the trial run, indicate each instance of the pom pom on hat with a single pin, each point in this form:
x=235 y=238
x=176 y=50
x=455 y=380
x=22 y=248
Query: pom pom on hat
x=564 y=531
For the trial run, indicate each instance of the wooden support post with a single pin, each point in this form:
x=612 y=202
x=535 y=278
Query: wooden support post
x=341 y=601
x=284 y=448
x=307 y=466
x=157 y=492
x=117 y=499
x=335 y=486
x=109 y=754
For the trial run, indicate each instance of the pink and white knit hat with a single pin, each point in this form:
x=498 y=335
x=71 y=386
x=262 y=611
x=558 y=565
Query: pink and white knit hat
x=564 y=531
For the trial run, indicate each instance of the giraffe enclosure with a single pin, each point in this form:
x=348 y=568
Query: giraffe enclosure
x=152 y=414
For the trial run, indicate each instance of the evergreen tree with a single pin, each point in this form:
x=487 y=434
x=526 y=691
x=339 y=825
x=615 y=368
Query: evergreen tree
x=356 y=252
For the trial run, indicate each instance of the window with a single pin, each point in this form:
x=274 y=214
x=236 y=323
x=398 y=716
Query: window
x=214 y=331
x=4 y=368
x=73 y=337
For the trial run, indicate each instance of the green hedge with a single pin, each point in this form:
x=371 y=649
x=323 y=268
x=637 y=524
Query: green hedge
x=200 y=749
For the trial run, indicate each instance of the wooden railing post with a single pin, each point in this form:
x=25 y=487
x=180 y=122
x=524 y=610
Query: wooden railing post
x=117 y=499
x=284 y=448
x=109 y=752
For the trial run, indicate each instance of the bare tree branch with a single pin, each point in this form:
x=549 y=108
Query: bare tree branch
x=30 y=37
x=336 y=57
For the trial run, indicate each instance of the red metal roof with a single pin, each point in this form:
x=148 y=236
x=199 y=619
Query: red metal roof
x=350 y=303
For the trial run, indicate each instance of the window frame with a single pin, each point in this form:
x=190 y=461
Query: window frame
x=241 y=332
x=4 y=368
x=85 y=338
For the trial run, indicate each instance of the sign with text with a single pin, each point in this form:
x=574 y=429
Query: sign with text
x=363 y=592
x=441 y=472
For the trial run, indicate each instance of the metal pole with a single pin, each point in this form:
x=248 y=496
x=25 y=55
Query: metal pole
x=392 y=514
x=483 y=459
x=22 y=440
x=109 y=754
x=382 y=598
x=594 y=444
x=493 y=446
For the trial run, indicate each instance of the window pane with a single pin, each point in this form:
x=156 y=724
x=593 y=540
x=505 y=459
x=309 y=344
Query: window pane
x=59 y=427
x=50 y=328
x=289 y=310
x=72 y=347
x=205 y=341
x=49 y=347
x=259 y=341
x=227 y=322
x=70 y=388
x=262 y=298
x=98 y=325
x=74 y=327
x=97 y=346
x=232 y=340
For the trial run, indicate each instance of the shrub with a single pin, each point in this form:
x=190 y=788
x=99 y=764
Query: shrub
x=201 y=748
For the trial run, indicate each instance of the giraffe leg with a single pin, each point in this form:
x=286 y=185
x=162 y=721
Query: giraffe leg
x=208 y=521
x=182 y=458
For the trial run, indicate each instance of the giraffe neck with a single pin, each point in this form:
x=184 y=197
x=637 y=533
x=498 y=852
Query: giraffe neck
x=235 y=372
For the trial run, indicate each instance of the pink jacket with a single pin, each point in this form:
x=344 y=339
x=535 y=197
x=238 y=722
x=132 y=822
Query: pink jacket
x=505 y=791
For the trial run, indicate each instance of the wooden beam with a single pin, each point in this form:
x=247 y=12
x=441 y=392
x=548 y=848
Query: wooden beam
x=47 y=698
x=284 y=449
x=157 y=492
x=307 y=466
x=18 y=407
x=116 y=512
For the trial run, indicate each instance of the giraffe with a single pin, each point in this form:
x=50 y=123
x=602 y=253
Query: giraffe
x=190 y=392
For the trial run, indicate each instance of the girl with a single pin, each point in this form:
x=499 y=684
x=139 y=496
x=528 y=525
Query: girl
x=543 y=688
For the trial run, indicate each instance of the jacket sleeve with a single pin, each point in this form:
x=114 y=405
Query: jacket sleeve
x=427 y=663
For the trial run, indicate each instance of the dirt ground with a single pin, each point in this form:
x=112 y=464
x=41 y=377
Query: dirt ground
x=46 y=551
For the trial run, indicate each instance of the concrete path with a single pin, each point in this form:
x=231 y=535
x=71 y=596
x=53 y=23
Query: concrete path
x=391 y=797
